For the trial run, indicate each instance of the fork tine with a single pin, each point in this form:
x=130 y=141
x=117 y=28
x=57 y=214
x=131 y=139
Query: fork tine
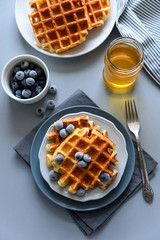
x=135 y=109
x=132 y=111
x=126 y=110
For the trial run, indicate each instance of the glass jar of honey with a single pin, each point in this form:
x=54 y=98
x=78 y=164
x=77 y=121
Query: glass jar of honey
x=123 y=61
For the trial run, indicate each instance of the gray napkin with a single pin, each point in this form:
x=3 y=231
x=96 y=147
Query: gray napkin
x=92 y=220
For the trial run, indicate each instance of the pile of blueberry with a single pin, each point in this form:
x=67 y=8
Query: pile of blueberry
x=27 y=80
x=63 y=132
x=83 y=159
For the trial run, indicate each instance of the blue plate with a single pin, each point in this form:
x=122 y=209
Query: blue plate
x=66 y=202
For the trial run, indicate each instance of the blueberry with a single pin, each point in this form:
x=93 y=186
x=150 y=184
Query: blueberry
x=23 y=82
x=50 y=104
x=63 y=133
x=42 y=78
x=33 y=94
x=26 y=93
x=14 y=86
x=79 y=155
x=19 y=75
x=24 y=64
x=18 y=93
x=33 y=74
x=59 y=158
x=82 y=164
x=59 y=125
x=38 y=89
x=16 y=69
x=105 y=177
x=52 y=89
x=39 y=71
x=80 y=192
x=54 y=176
x=31 y=66
x=26 y=72
x=42 y=83
x=70 y=128
x=86 y=158
x=30 y=81
x=40 y=111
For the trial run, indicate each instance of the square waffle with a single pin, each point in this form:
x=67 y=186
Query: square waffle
x=60 y=25
x=102 y=152
x=54 y=137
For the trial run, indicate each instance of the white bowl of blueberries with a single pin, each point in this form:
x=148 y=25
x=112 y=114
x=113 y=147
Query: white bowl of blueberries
x=25 y=78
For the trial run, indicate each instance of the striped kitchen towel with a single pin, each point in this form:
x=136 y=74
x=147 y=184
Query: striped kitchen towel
x=140 y=19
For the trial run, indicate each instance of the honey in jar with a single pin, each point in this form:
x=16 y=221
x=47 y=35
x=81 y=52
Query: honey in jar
x=123 y=61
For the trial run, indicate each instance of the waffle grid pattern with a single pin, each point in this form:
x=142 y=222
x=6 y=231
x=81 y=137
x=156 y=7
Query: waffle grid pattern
x=78 y=122
x=59 y=25
x=102 y=152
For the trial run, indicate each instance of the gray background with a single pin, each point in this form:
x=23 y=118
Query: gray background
x=24 y=212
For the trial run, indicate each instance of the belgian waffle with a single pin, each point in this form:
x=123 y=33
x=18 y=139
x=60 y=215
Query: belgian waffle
x=54 y=137
x=102 y=152
x=60 y=25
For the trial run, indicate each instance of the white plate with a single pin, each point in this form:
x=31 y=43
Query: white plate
x=94 y=39
x=92 y=194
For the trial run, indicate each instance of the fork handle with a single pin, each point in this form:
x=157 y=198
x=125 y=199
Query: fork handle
x=147 y=189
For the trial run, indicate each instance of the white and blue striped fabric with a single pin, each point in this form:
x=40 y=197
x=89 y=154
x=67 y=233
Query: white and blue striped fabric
x=140 y=19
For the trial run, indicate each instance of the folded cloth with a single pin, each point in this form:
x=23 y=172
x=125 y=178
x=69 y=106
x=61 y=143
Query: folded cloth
x=92 y=220
x=140 y=20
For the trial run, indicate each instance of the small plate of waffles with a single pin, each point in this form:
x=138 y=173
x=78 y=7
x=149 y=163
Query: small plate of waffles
x=66 y=202
x=92 y=135
x=65 y=28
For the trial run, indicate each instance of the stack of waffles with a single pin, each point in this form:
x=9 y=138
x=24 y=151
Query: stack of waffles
x=87 y=139
x=60 y=25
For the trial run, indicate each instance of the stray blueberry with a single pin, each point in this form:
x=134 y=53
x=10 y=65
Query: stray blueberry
x=86 y=158
x=82 y=164
x=63 y=133
x=54 y=176
x=30 y=81
x=24 y=64
x=59 y=158
x=50 y=104
x=105 y=177
x=19 y=75
x=33 y=74
x=59 y=125
x=78 y=155
x=26 y=93
x=40 y=111
x=52 y=89
x=80 y=192
x=70 y=128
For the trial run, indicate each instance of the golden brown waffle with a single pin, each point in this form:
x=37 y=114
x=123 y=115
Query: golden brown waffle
x=54 y=137
x=60 y=25
x=98 y=147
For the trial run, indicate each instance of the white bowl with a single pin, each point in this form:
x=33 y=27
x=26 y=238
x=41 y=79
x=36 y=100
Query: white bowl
x=8 y=70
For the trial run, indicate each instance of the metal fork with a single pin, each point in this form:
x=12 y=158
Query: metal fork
x=134 y=126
